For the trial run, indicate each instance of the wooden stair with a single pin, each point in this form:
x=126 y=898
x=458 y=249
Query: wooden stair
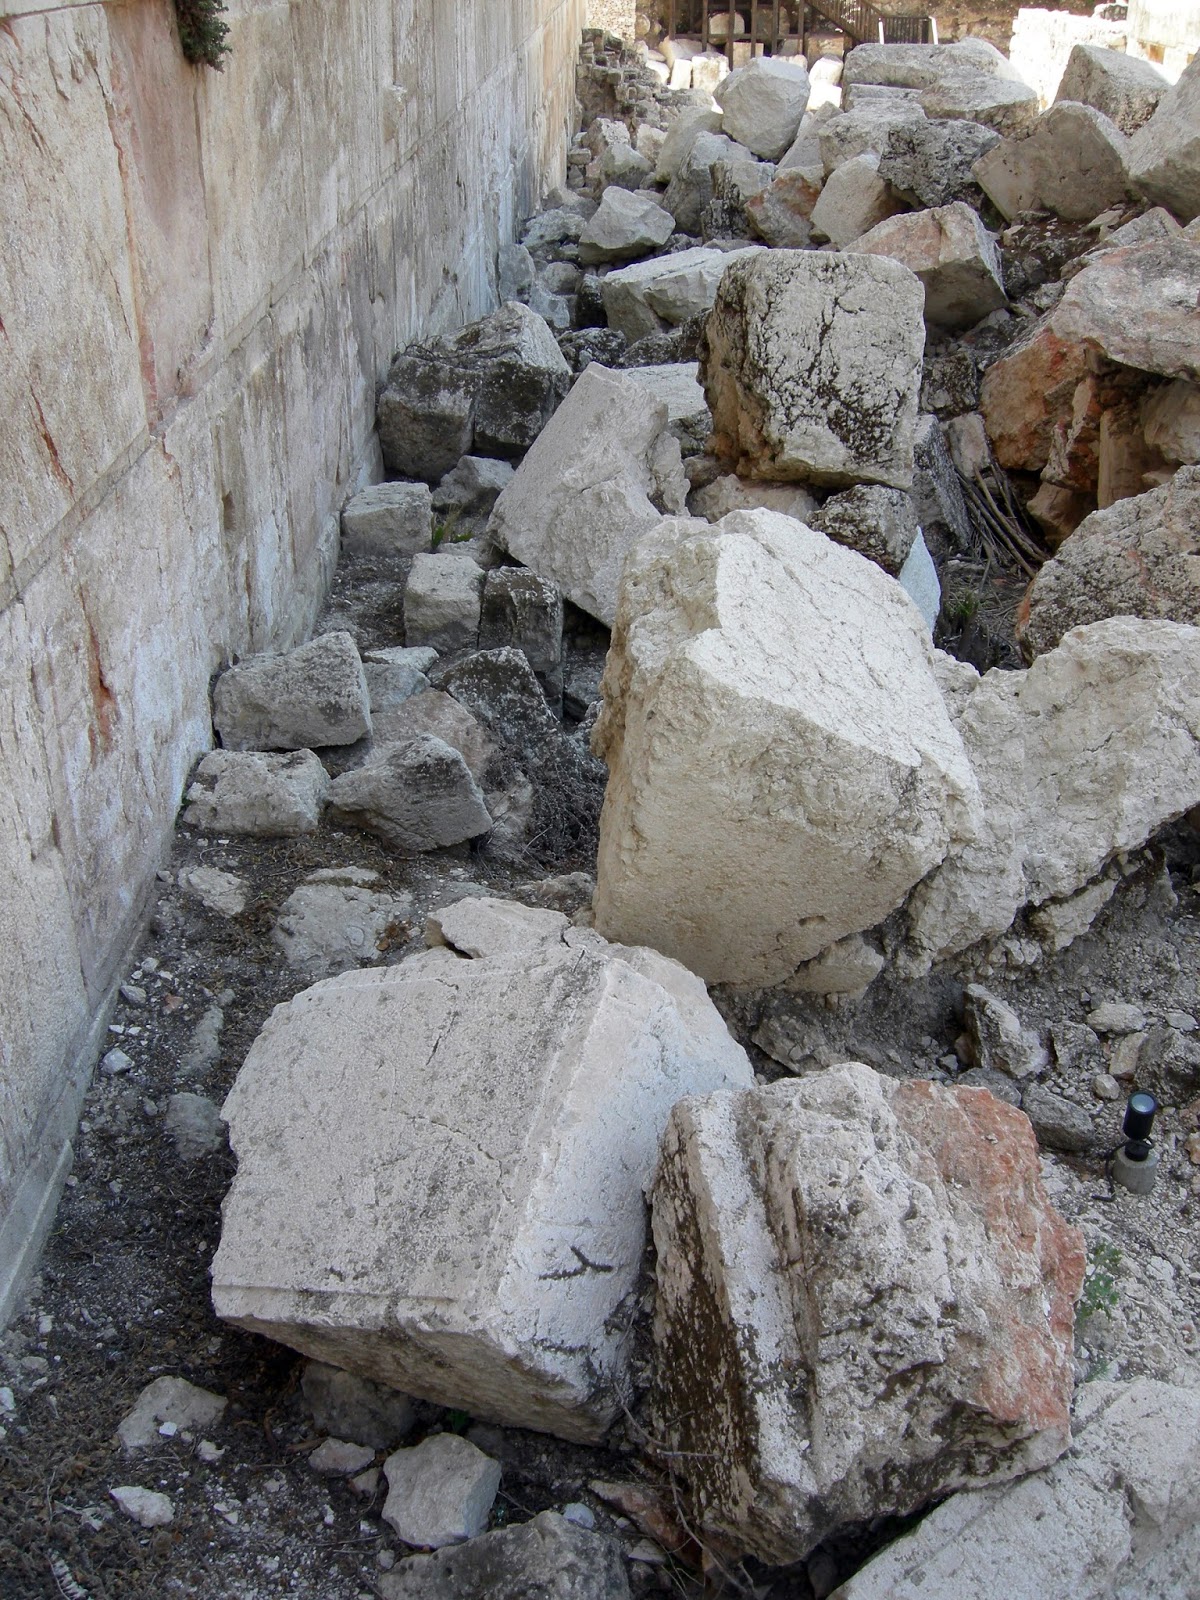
x=861 y=22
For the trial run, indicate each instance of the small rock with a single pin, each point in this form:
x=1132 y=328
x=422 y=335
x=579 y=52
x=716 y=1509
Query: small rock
x=1058 y=1122
x=442 y=601
x=144 y=1506
x=221 y=892
x=350 y=1407
x=194 y=1123
x=547 y=1558
x=133 y=994
x=441 y=1492
x=1181 y=1021
x=582 y=1516
x=329 y=927
x=1192 y=1146
x=338 y=1458
x=1117 y=1016
x=1106 y=1087
x=997 y=1036
x=168 y=1400
x=417 y=795
x=115 y=1062
x=1125 y=1057
x=204 y=1044
x=208 y=1452
x=366 y=1483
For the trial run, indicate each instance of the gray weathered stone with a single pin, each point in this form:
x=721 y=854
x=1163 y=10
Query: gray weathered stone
x=221 y=892
x=999 y=1042
x=488 y=389
x=1164 y=157
x=529 y=1077
x=432 y=711
x=691 y=189
x=440 y=1492
x=652 y=295
x=301 y=699
x=1075 y=163
x=1001 y=103
x=865 y=1301
x=328 y=927
x=525 y=611
x=349 y=1407
x=194 y=1124
x=547 y=1558
x=814 y=367
x=515 y=270
x=729 y=493
x=865 y=132
x=625 y=226
x=1171 y=418
x=599 y=476
x=393 y=676
x=763 y=103
x=682 y=134
x=1084 y=755
x=936 y=491
x=930 y=163
x=879 y=523
x=852 y=201
x=1124 y=87
x=388 y=519
x=1118 y=1516
x=417 y=795
x=146 y=1507
x=623 y=167
x=1138 y=558
x=954 y=256
x=677 y=385
x=1058 y=1122
x=442 y=601
x=759 y=677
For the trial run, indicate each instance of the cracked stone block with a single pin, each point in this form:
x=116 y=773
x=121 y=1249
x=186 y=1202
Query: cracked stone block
x=257 y=791
x=813 y=368
x=302 y=699
x=441 y=1164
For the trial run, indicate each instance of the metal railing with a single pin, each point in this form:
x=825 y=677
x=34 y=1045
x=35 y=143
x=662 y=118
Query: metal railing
x=858 y=19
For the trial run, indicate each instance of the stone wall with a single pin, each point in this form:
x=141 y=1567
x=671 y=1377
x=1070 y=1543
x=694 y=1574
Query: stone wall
x=1166 y=32
x=203 y=277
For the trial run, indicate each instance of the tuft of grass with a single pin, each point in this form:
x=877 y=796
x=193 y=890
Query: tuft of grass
x=203 y=32
x=1099 y=1286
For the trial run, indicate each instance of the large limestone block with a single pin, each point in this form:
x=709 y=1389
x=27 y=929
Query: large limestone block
x=683 y=133
x=1084 y=755
x=782 y=769
x=1119 y=1516
x=954 y=256
x=441 y=1164
x=880 y=524
x=489 y=388
x=306 y=698
x=929 y=163
x=1075 y=163
x=864 y=132
x=919 y=66
x=1138 y=558
x=691 y=189
x=652 y=295
x=1123 y=87
x=813 y=368
x=442 y=600
x=388 y=519
x=763 y=103
x=417 y=794
x=237 y=791
x=1165 y=153
x=781 y=212
x=726 y=494
x=602 y=473
x=1135 y=306
x=1009 y=106
x=852 y=201
x=865 y=1300
x=677 y=385
x=626 y=225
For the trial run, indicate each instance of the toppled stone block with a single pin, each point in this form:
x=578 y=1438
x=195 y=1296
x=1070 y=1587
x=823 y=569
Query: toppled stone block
x=953 y=255
x=735 y=185
x=1124 y=87
x=465 y=497
x=600 y=475
x=302 y=699
x=525 y=611
x=653 y=295
x=717 y=499
x=930 y=163
x=625 y=226
x=781 y=213
x=1086 y=754
x=388 y=519
x=1008 y=106
x=865 y=132
x=529 y=1077
x=547 y=1557
x=691 y=122
x=691 y=189
x=1134 y=306
x=417 y=795
x=1138 y=558
x=879 y=523
x=393 y=676
x=852 y=201
x=442 y=601
x=623 y=167
x=1075 y=163
x=813 y=368
x=435 y=712
x=763 y=103
x=885 y=1295
x=998 y=1040
x=1119 y=1515
x=327 y=927
x=677 y=385
x=1058 y=1122
x=782 y=769
x=488 y=389
x=1164 y=157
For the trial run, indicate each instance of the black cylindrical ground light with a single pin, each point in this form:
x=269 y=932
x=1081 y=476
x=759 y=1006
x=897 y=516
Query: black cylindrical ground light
x=1135 y=1164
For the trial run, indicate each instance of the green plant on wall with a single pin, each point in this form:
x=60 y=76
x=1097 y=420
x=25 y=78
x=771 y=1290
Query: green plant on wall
x=1099 y=1285
x=203 y=31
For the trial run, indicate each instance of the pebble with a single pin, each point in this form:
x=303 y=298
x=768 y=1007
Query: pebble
x=1181 y=1021
x=133 y=994
x=1125 y=1055
x=339 y=1458
x=366 y=1483
x=7 y=1403
x=115 y=1062
x=582 y=1516
x=208 y=1452
x=440 y=1492
x=146 y=1507
x=1192 y=1146
x=1106 y=1087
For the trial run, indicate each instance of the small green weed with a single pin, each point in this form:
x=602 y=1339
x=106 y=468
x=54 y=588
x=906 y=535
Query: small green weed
x=447 y=532
x=1099 y=1287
